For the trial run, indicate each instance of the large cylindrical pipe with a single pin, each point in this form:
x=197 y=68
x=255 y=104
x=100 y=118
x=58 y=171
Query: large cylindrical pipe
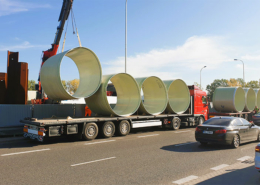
x=229 y=99
x=154 y=95
x=128 y=96
x=178 y=96
x=90 y=74
x=257 y=93
x=250 y=99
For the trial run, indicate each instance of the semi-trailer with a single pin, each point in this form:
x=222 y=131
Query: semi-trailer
x=88 y=128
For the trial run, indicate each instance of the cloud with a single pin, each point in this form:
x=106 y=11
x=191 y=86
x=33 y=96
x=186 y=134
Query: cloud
x=196 y=52
x=8 y=7
x=24 y=45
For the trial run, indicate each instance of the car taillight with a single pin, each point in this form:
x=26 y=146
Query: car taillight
x=257 y=149
x=25 y=128
x=198 y=130
x=222 y=131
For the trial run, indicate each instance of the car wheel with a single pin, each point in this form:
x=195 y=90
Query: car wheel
x=90 y=131
x=201 y=120
x=108 y=129
x=236 y=141
x=258 y=137
x=203 y=143
x=176 y=123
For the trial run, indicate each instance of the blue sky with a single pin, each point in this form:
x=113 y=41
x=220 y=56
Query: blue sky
x=166 y=38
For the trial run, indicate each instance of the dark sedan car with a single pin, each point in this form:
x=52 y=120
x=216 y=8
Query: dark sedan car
x=227 y=130
x=256 y=118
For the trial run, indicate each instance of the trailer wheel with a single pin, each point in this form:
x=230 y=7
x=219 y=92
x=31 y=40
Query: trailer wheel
x=90 y=131
x=201 y=120
x=108 y=129
x=123 y=128
x=176 y=123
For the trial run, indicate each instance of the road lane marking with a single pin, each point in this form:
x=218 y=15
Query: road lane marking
x=185 y=144
x=99 y=142
x=25 y=152
x=148 y=135
x=244 y=158
x=219 y=167
x=182 y=131
x=186 y=179
x=93 y=161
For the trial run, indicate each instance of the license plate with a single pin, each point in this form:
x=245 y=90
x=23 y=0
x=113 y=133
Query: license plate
x=207 y=132
x=34 y=127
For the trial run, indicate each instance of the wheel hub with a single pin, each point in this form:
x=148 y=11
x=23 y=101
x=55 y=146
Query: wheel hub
x=91 y=131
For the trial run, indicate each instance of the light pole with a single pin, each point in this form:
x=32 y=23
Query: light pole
x=243 y=70
x=125 y=33
x=200 y=76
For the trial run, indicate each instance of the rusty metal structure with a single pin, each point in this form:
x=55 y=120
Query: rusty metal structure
x=14 y=83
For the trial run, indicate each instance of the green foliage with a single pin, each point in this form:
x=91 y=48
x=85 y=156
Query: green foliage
x=252 y=84
x=31 y=85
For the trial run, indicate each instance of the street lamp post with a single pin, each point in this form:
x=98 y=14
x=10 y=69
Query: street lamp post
x=125 y=34
x=200 y=76
x=243 y=70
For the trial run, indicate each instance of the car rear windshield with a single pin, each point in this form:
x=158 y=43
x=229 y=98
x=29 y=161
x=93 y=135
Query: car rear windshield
x=218 y=121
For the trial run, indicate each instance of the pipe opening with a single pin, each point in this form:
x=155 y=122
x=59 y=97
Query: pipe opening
x=127 y=92
x=89 y=69
x=250 y=99
x=178 y=95
x=154 y=95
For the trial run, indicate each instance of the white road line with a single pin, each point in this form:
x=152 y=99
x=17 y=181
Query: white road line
x=244 y=158
x=220 y=167
x=184 y=180
x=148 y=135
x=99 y=142
x=25 y=152
x=93 y=161
x=185 y=144
x=182 y=131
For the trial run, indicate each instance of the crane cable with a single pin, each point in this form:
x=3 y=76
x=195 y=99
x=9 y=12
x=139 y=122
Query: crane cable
x=63 y=45
x=74 y=23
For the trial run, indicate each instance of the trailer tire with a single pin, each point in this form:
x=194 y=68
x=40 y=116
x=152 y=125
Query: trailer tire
x=176 y=123
x=123 y=128
x=201 y=120
x=108 y=129
x=90 y=131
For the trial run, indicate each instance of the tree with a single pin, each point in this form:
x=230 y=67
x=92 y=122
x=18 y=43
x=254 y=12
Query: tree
x=31 y=85
x=234 y=83
x=198 y=85
x=241 y=82
x=253 y=84
x=64 y=83
x=216 y=83
x=72 y=86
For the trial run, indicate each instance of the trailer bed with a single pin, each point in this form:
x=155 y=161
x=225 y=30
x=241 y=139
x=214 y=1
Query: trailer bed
x=60 y=121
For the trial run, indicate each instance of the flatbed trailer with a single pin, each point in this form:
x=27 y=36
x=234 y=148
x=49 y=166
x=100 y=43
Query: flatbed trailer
x=245 y=115
x=88 y=128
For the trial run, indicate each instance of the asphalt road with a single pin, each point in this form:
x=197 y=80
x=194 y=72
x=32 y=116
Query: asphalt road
x=143 y=157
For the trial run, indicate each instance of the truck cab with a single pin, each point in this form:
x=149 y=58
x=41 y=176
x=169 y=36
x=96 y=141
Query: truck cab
x=199 y=102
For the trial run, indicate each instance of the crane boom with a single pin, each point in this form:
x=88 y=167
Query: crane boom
x=64 y=14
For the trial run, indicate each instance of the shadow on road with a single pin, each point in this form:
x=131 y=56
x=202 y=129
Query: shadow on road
x=192 y=146
x=245 y=176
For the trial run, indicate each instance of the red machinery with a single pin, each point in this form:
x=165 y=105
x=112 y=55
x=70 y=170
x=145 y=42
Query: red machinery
x=64 y=14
